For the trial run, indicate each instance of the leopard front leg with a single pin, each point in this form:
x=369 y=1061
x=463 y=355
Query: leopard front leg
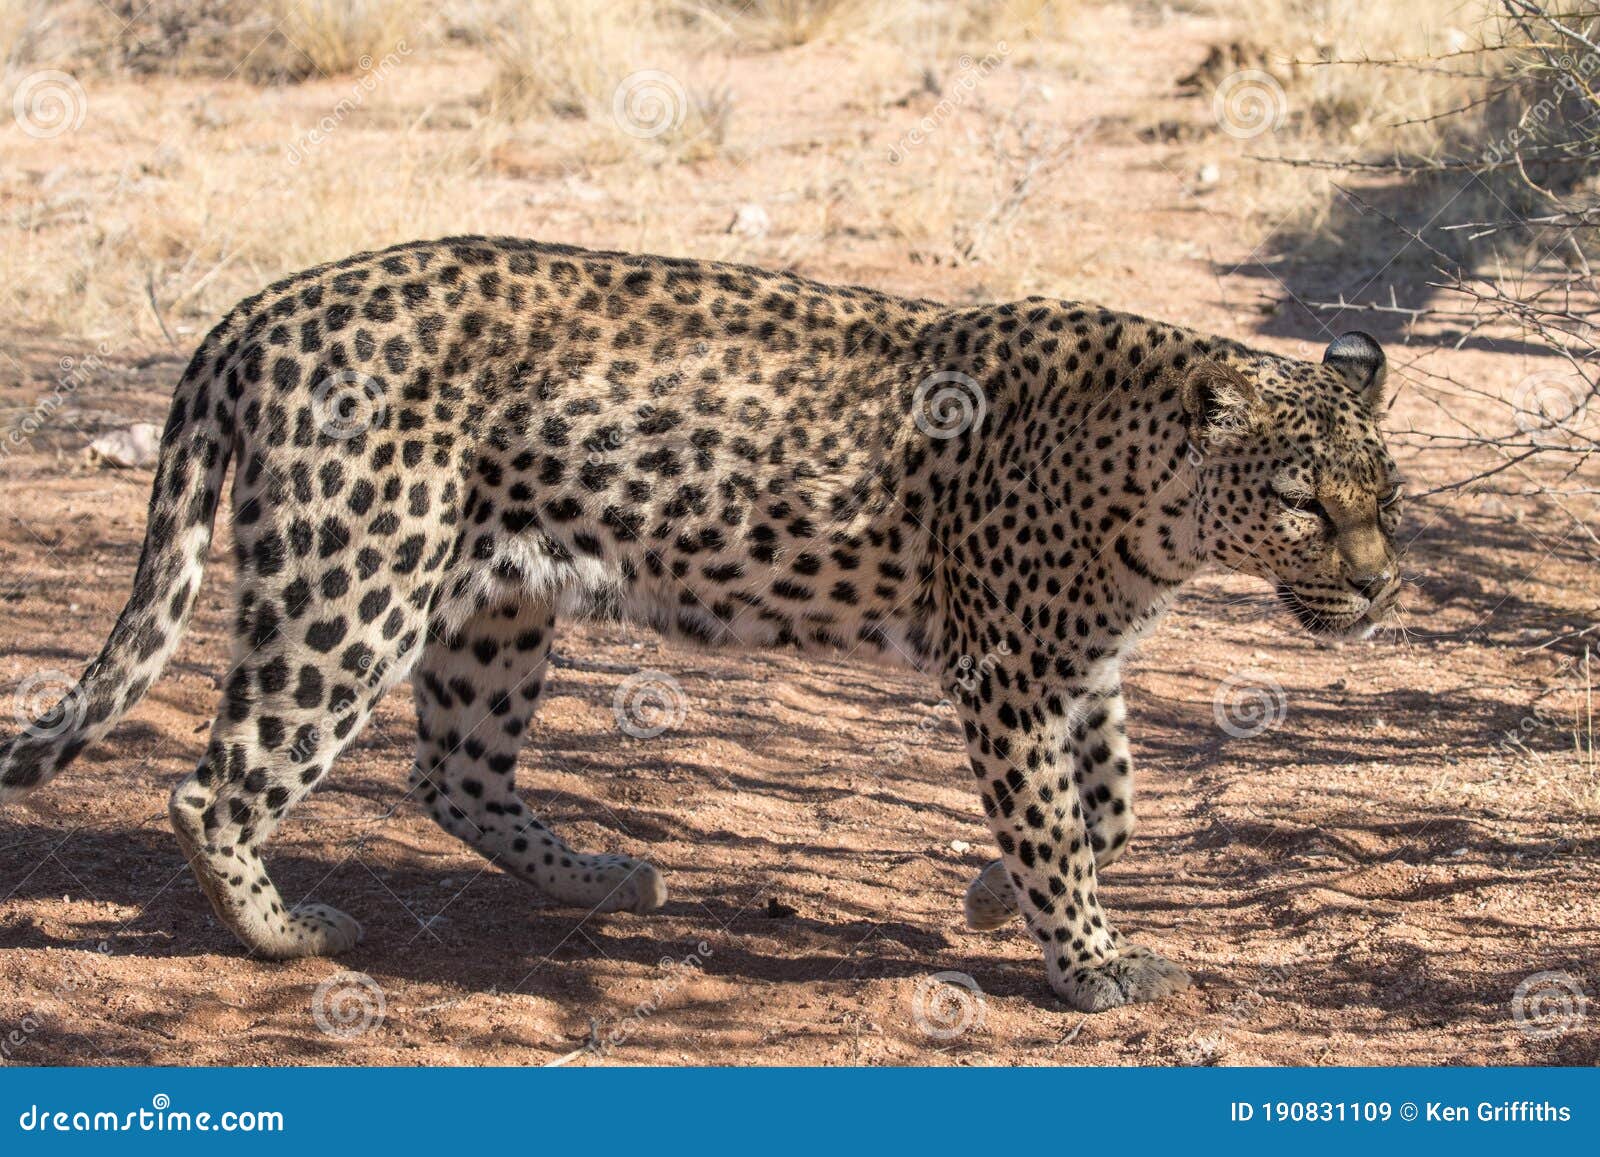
x=1022 y=754
x=1103 y=773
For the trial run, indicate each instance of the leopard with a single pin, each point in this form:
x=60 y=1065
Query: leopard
x=443 y=450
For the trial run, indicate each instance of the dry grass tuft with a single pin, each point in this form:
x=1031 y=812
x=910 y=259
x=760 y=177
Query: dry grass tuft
x=345 y=36
x=615 y=64
x=190 y=240
x=942 y=26
x=1418 y=87
x=790 y=23
x=21 y=23
x=1318 y=48
x=564 y=58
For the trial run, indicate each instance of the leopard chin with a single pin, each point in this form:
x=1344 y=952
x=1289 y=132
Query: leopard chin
x=1359 y=621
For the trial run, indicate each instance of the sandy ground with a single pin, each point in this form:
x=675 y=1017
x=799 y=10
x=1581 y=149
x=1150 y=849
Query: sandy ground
x=1371 y=878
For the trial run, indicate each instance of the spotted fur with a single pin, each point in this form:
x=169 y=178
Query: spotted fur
x=733 y=457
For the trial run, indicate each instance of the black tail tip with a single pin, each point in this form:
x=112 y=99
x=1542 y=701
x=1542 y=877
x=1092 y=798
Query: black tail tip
x=27 y=762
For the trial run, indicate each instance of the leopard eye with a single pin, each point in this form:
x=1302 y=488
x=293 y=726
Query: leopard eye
x=1303 y=504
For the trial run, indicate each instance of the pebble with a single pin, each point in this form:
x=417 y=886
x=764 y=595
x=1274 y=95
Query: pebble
x=750 y=221
x=134 y=447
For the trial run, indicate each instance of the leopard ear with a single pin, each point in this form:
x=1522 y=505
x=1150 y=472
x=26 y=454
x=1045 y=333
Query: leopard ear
x=1360 y=358
x=1222 y=405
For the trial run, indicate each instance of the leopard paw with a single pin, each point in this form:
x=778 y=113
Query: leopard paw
x=991 y=901
x=624 y=884
x=1135 y=974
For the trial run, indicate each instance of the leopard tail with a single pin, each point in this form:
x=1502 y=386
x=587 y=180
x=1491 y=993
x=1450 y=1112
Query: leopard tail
x=195 y=450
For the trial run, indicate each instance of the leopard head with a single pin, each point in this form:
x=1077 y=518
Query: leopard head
x=1295 y=483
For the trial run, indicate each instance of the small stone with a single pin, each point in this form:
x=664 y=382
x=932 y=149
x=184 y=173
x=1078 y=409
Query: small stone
x=132 y=448
x=960 y=847
x=750 y=221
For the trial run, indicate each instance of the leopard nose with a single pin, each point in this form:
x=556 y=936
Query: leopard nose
x=1371 y=584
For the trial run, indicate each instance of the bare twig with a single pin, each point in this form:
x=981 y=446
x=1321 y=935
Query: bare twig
x=155 y=308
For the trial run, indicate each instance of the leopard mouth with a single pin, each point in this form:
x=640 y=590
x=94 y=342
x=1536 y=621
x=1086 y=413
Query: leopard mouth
x=1358 y=618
